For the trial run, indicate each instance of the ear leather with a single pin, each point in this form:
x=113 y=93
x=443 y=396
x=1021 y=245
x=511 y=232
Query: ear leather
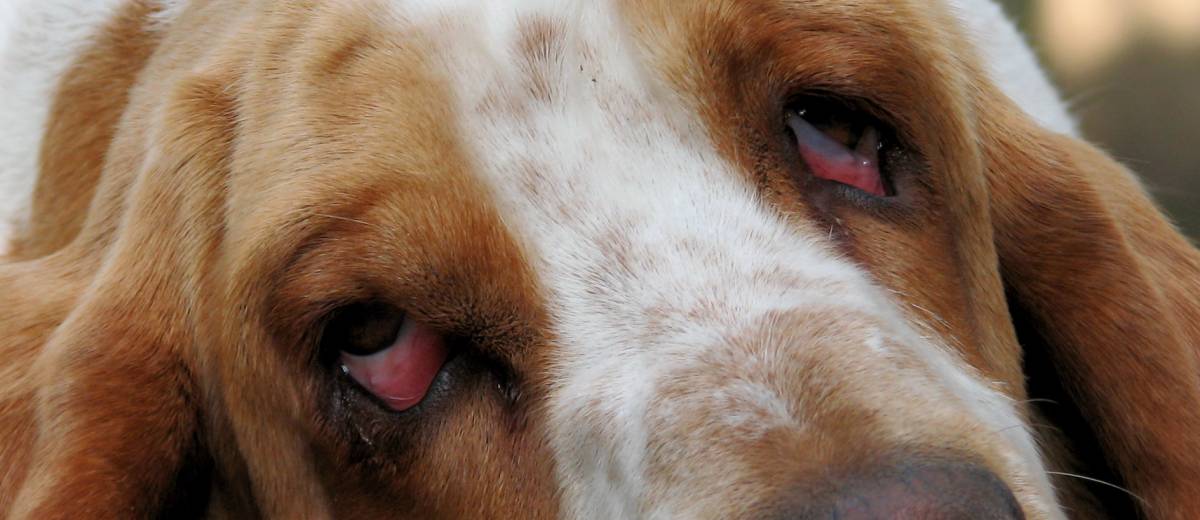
x=117 y=414
x=116 y=423
x=1115 y=290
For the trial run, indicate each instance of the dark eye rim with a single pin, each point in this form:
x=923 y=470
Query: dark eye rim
x=365 y=428
x=902 y=165
x=829 y=113
x=329 y=350
x=861 y=108
x=341 y=398
x=463 y=337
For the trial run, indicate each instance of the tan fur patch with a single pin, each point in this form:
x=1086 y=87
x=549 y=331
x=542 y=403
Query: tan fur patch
x=937 y=256
x=214 y=185
x=1066 y=212
x=209 y=206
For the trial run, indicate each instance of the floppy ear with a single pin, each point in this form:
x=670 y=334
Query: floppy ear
x=1112 y=292
x=119 y=410
x=115 y=421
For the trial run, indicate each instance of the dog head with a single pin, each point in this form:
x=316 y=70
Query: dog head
x=596 y=260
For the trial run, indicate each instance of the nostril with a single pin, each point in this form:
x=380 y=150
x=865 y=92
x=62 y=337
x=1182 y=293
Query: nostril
x=926 y=491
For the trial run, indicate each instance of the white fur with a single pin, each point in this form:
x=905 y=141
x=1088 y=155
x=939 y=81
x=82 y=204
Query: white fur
x=38 y=41
x=1012 y=64
x=654 y=252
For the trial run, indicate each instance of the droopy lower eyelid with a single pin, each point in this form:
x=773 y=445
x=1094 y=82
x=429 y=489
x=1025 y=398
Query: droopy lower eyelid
x=401 y=373
x=829 y=159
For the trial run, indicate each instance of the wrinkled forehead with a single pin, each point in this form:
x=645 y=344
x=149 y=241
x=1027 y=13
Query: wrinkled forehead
x=491 y=84
x=624 y=146
x=620 y=152
x=612 y=112
x=704 y=53
x=553 y=74
x=595 y=130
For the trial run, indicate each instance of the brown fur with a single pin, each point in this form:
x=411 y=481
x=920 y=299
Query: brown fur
x=163 y=397
x=165 y=305
x=1062 y=212
x=1113 y=286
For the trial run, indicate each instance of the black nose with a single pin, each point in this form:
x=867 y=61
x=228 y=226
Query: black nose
x=925 y=491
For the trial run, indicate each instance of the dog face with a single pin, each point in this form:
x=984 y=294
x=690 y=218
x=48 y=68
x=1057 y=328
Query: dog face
x=591 y=260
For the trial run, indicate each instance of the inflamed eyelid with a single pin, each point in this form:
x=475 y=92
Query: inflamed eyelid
x=401 y=374
x=830 y=160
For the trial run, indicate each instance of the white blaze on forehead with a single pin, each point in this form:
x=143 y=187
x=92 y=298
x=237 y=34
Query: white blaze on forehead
x=651 y=247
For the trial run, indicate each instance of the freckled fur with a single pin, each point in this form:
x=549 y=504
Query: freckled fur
x=592 y=193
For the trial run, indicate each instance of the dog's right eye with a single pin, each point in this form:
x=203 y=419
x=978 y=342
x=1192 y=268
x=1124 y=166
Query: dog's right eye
x=389 y=354
x=839 y=144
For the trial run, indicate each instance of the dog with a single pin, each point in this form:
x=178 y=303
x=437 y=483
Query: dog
x=575 y=259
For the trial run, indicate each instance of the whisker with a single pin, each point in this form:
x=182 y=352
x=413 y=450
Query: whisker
x=1098 y=481
x=388 y=233
x=1047 y=427
x=927 y=312
x=347 y=219
x=1031 y=401
x=931 y=314
x=1006 y=428
x=1038 y=426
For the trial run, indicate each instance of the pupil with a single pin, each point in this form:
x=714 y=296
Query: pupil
x=362 y=329
x=837 y=122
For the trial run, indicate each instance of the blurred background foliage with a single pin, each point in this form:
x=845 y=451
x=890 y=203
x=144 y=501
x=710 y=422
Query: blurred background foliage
x=1130 y=70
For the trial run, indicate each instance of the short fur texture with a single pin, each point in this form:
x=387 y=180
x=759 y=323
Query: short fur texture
x=655 y=314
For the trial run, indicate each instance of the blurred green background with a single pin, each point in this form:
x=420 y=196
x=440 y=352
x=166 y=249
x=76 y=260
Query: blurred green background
x=1130 y=69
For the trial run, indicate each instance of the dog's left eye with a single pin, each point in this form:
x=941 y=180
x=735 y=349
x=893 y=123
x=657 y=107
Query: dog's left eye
x=839 y=145
x=389 y=354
